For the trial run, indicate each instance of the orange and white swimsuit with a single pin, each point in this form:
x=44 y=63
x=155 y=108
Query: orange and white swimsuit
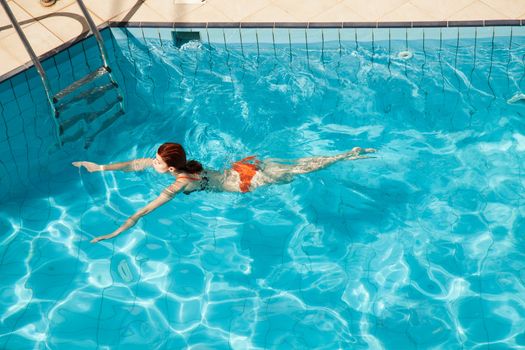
x=247 y=168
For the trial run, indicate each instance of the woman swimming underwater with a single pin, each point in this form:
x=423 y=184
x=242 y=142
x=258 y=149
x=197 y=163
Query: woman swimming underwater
x=244 y=176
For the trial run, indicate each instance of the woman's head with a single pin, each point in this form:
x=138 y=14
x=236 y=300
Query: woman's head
x=171 y=157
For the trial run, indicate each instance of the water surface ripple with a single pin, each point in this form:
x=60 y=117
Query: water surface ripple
x=419 y=248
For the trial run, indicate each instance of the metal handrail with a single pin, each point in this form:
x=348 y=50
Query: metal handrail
x=36 y=62
x=28 y=48
x=95 y=32
x=53 y=99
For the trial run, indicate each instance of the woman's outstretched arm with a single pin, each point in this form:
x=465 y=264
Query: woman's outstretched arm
x=132 y=165
x=164 y=197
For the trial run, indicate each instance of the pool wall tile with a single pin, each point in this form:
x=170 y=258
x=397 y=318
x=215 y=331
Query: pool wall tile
x=518 y=36
x=215 y=36
x=467 y=33
x=314 y=37
x=297 y=36
x=415 y=34
x=78 y=60
x=25 y=102
x=166 y=34
x=6 y=92
x=363 y=35
x=63 y=58
x=19 y=84
x=33 y=79
x=415 y=40
x=92 y=51
x=264 y=36
x=502 y=31
x=135 y=32
x=381 y=34
x=485 y=32
x=150 y=33
x=106 y=35
x=348 y=37
x=202 y=33
x=14 y=122
x=331 y=38
x=449 y=33
x=119 y=33
x=432 y=33
x=232 y=36
x=398 y=39
x=280 y=36
x=248 y=36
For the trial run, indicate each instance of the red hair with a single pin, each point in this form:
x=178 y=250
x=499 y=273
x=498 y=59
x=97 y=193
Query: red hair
x=173 y=154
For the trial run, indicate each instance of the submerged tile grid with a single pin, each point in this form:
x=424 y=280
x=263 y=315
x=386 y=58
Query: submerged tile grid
x=52 y=28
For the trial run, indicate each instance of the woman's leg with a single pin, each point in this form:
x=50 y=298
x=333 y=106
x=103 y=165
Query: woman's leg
x=279 y=172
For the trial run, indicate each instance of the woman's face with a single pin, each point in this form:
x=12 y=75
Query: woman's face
x=160 y=165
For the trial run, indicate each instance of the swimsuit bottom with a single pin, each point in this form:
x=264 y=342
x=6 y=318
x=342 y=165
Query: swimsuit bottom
x=247 y=168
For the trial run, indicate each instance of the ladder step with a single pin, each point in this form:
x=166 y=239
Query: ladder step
x=86 y=96
x=89 y=117
x=88 y=78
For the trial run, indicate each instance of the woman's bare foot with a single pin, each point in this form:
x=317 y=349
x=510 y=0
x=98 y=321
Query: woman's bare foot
x=358 y=150
x=356 y=153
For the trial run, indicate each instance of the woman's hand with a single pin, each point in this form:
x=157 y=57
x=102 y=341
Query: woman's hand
x=131 y=221
x=90 y=166
x=101 y=238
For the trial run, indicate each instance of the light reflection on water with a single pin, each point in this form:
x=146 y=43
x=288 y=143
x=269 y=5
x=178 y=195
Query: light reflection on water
x=417 y=248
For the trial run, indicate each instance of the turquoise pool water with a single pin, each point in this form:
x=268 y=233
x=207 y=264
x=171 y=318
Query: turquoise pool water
x=419 y=248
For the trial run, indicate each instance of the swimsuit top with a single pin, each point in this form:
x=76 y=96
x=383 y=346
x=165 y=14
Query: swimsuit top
x=204 y=180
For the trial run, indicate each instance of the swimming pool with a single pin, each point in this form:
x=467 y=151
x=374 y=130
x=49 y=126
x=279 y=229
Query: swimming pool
x=421 y=247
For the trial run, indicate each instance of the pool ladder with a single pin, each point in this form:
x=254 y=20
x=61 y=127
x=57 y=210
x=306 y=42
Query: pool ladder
x=58 y=102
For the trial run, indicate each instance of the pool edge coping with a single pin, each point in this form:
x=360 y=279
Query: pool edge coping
x=251 y=25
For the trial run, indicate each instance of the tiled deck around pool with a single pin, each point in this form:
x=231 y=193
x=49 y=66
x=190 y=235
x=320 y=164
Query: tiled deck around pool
x=50 y=28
